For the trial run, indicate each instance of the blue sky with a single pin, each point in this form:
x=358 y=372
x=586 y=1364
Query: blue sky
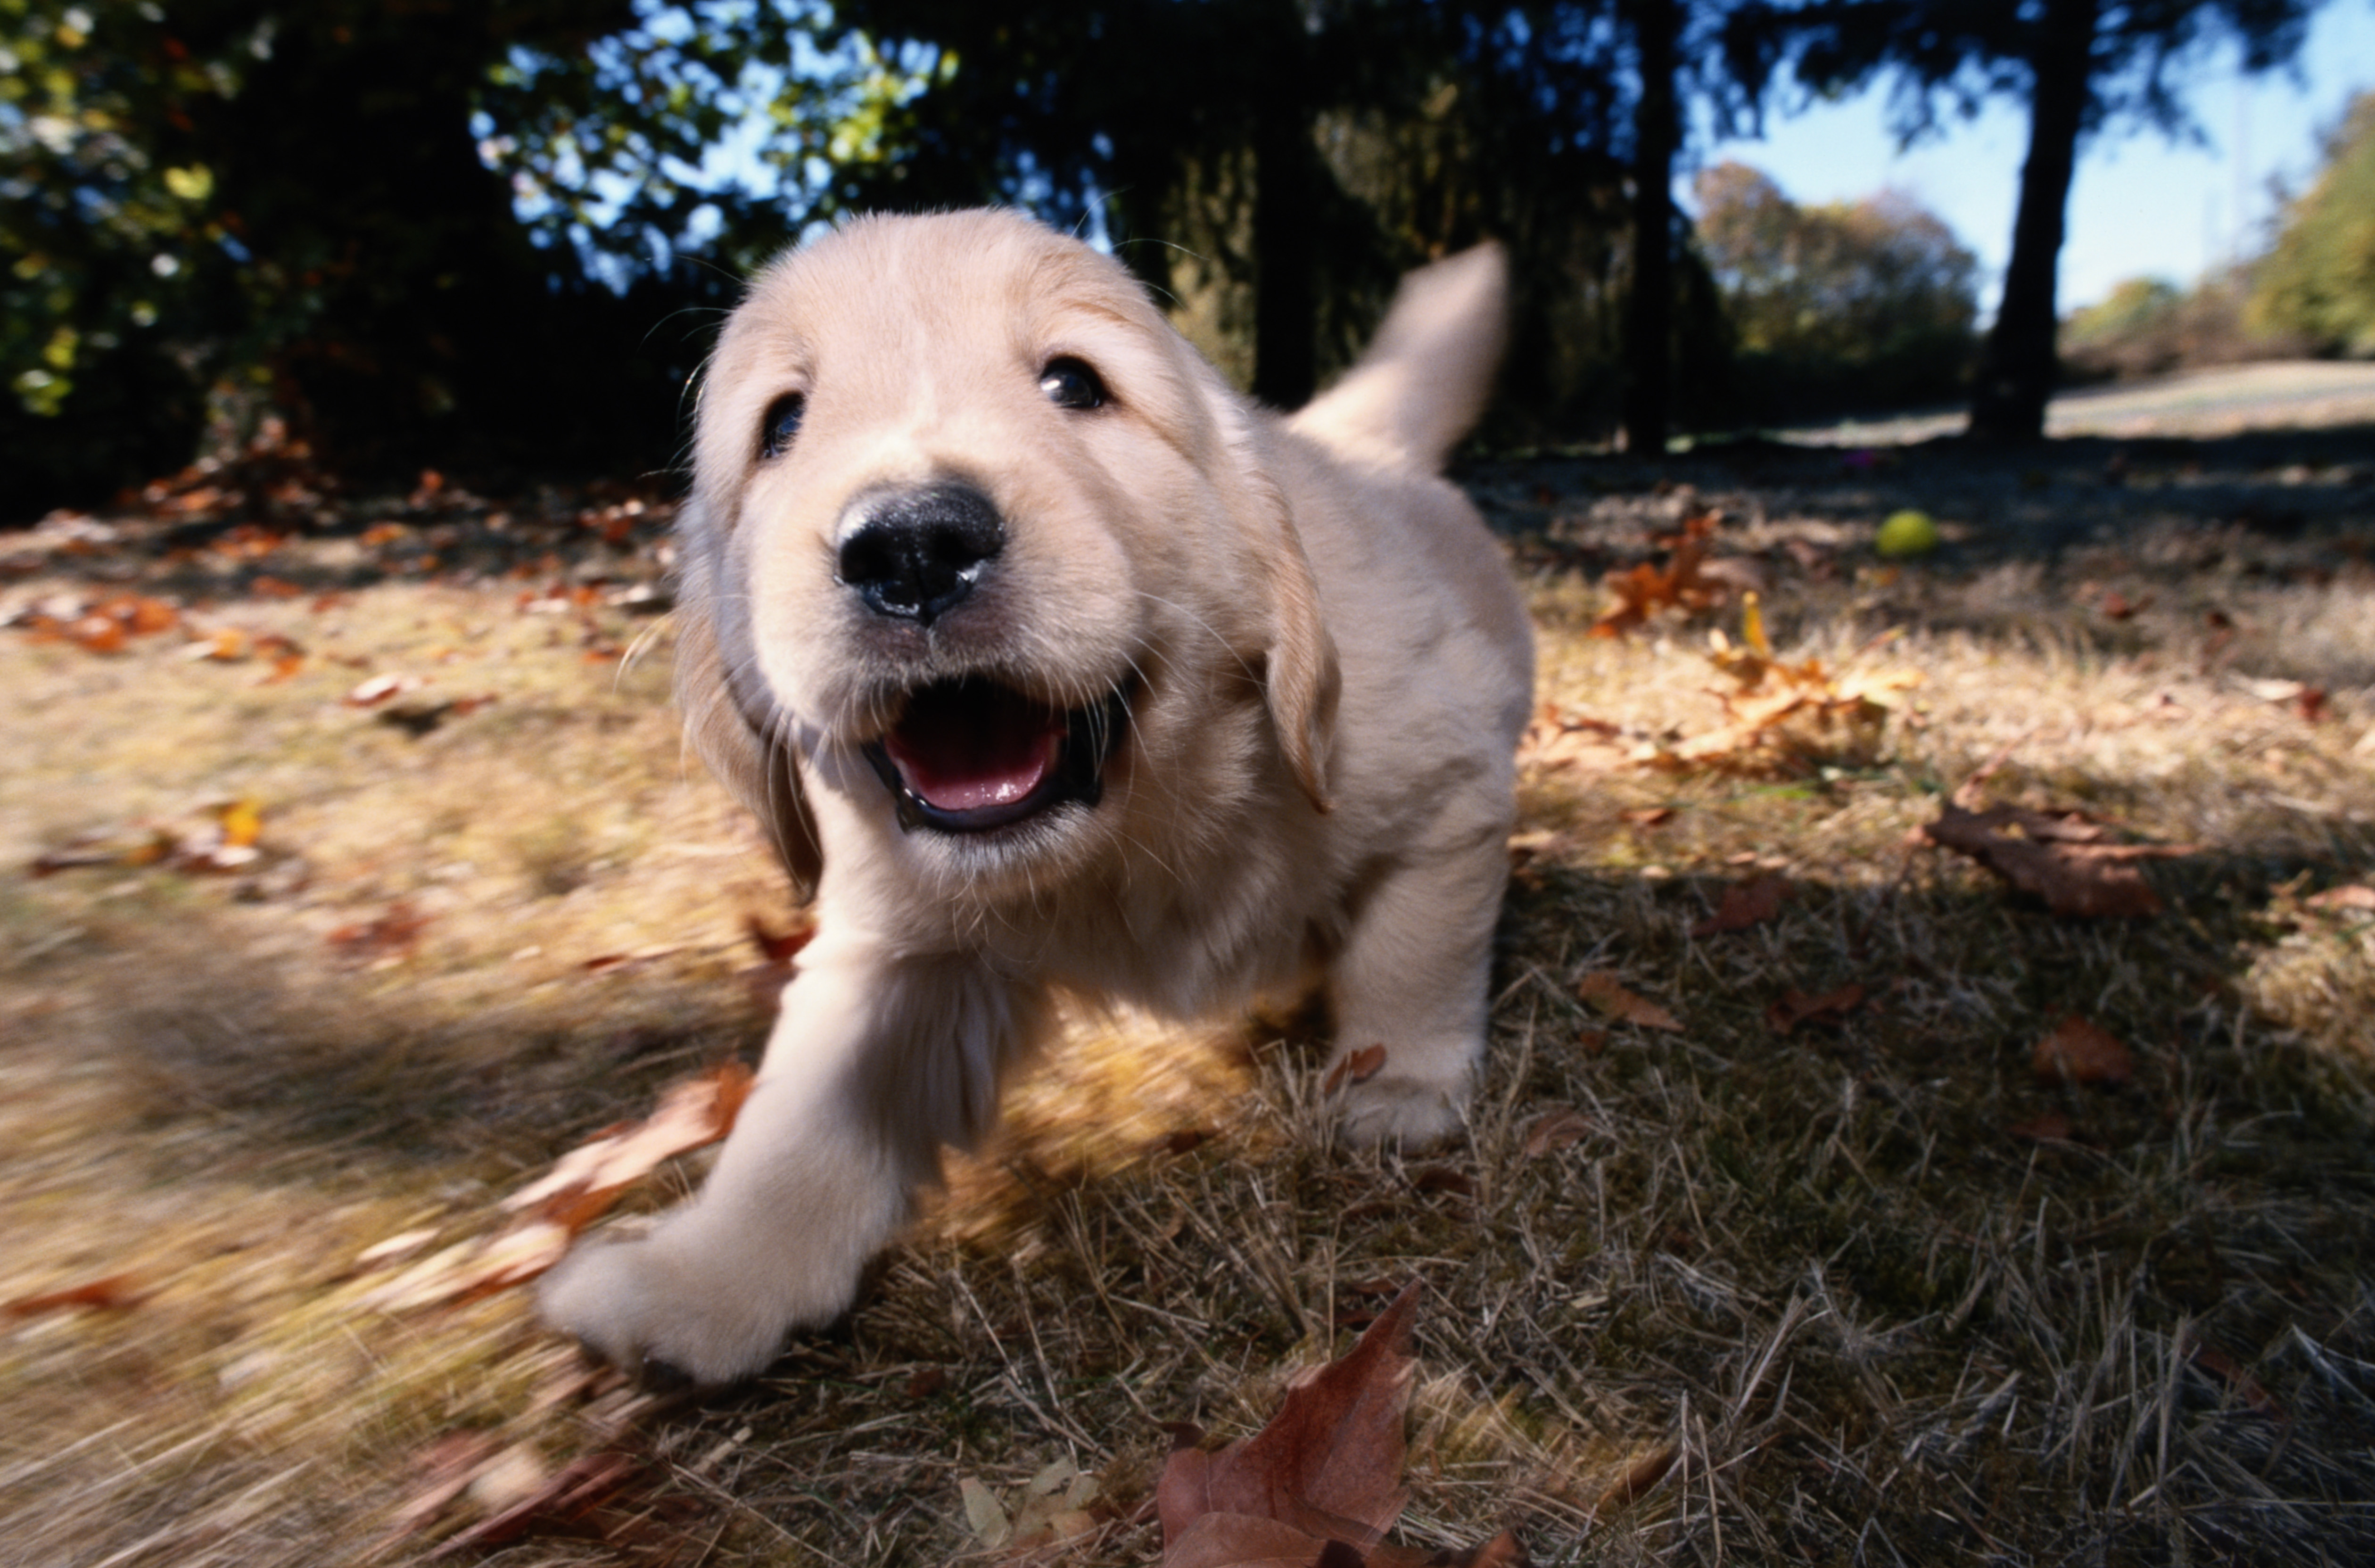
x=2141 y=204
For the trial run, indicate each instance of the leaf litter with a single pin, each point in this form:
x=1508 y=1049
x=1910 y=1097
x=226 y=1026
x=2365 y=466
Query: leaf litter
x=1638 y=1392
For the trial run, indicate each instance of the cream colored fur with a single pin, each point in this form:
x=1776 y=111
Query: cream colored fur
x=1331 y=671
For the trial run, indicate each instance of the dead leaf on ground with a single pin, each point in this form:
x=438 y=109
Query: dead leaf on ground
x=2061 y=858
x=2079 y=1052
x=2349 y=897
x=385 y=939
x=1781 y=713
x=2050 y=1127
x=779 y=947
x=1745 y=904
x=1793 y=1007
x=1354 y=1067
x=1556 y=740
x=581 y=1186
x=1635 y=1482
x=1607 y=996
x=1556 y=1128
x=1328 y=1466
x=1681 y=583
x=113 y=1294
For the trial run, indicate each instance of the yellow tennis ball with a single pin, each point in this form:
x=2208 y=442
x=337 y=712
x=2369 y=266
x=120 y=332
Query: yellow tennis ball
x=1906 y=533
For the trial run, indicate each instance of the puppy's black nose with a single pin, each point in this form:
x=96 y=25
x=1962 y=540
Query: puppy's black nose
x=917 y=555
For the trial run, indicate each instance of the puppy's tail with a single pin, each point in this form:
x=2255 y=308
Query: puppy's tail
x=1427 y=373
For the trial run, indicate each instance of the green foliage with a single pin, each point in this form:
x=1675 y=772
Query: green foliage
x=2148 y=326
x=1869 y=302
x=2136 y=305
x=2319 y=281
x=242 y=204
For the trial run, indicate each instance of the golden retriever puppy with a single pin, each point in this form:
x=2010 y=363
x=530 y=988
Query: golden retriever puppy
x=1059 y=668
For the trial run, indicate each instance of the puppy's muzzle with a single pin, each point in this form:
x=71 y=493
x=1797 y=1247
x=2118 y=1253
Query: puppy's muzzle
x=917 y=555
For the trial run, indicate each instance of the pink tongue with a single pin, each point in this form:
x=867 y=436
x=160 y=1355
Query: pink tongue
x=967 y=749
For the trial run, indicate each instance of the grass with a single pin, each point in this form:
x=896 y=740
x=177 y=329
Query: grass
x=1866 y=1291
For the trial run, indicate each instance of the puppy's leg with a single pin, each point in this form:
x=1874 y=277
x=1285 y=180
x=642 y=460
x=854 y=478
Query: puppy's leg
x=1411 y=977
x=873 y=1067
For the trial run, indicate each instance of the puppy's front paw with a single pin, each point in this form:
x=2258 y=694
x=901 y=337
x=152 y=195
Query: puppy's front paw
x=657 y=1305
x=1401 y=1108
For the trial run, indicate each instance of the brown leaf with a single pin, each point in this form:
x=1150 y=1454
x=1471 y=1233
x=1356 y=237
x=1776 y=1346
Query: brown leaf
x=1556 y=1128
x=581 y=1186
x=1794 y=1006
x=1556 y=740
x=1443 y=1178
x=779 y=948
x=575 y=1492
x=113 y=1294
x=2220 y=1365
x=1745 y=904
x=1646 y=1471
x=2058 y=858
x=392 y=936
x=1647 y=816
x=1606 y=997
x=2350 y=896
x=2079 y=1052
x=698 y=1110
x=1679 y=584
x=1354 y=1067
x=1327 y=1465
x=2050 y=1127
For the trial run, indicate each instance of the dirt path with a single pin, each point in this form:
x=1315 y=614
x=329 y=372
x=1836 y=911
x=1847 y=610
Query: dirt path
x=2289 y=394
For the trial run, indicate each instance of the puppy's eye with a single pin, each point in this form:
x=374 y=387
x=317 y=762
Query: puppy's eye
x=1069 y=383
x=782 y=423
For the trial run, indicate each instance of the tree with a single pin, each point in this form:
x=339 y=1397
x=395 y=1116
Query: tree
x=1254 y=132
x=2319 y=278
x=239 y=202
x=1867 y=303
x=2081 y=65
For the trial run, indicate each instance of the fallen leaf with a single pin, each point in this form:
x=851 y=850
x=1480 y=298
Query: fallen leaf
x=2220 y=1365
x=2082 y=1052
x=1554 y=740
x=391 y=936
x=1794 y=1006
x=1556 y=1128
x=576 y=1491
x=1745 y=904
x=779 y=947
x=2059 y=858
x=1636 y=1480
x=1443 y=1178
x=1354 y=1067
x=1327 y=1467
x=1647 y=816
x=113 y=1294
x=380 y=688
x=2050 y=1127
x=1606 y=997
x=1681 y=583
x=581 y=1186
x=583 y=1182
x=2349 y=896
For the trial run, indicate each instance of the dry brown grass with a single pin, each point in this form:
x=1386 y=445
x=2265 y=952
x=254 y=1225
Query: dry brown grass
x=1836 y=1272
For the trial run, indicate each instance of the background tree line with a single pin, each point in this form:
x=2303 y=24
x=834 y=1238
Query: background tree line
x=493 y=235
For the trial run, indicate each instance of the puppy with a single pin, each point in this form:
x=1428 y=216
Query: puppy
x=1055 y=666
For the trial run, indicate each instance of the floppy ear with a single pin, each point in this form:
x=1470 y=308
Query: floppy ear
x=756 y=769
x=1300 y=678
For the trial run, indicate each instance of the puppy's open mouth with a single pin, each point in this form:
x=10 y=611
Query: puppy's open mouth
x=967 y=755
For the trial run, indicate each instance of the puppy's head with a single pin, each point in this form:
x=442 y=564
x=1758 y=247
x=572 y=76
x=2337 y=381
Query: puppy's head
x=983 y=544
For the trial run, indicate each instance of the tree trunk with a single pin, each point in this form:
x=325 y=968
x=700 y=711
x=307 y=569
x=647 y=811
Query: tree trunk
x=1649 y=328
x=2017 y=366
